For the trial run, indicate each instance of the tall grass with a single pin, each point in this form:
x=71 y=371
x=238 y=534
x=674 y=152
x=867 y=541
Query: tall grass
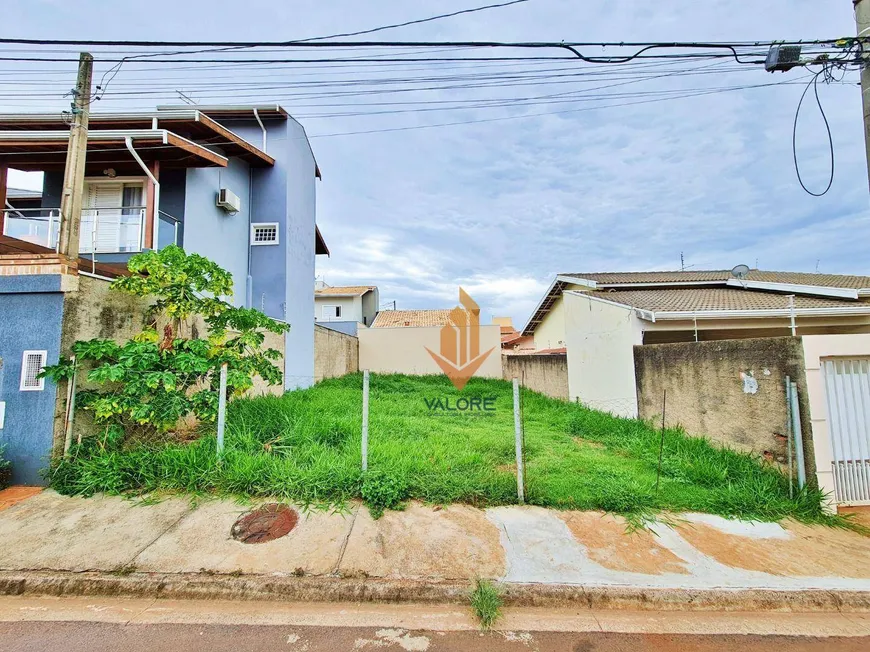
x=305 y=447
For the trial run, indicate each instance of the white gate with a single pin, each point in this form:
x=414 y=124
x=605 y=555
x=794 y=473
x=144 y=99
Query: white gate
x=847 y=386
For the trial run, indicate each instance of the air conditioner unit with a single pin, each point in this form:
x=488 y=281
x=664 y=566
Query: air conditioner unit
x=228 y=201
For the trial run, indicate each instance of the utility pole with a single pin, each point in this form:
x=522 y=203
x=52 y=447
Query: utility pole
x=862 y=19
x=74 y=173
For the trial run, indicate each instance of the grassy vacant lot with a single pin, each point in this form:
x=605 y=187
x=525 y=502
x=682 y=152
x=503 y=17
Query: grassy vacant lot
x=305 y=447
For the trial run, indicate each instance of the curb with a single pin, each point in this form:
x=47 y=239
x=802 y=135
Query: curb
x=199 y=586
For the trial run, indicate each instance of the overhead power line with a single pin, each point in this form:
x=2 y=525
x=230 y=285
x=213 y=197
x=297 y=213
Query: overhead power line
x=413 y=44
x=413 y=22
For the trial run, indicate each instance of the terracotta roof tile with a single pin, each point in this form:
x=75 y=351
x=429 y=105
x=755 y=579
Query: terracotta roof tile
x=694 y=276
x=699 y=299
x=411 y=318
x=344 y=290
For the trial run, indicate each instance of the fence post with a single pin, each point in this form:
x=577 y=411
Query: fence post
x=518 y=441
x=789 y=436
x=70 y=409
x=365 y=421
x=222 y=410
x=798 y=437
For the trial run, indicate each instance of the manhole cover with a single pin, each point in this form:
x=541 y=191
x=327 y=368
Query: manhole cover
x=266 y=523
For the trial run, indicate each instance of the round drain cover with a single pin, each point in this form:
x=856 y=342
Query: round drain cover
x=265 y=523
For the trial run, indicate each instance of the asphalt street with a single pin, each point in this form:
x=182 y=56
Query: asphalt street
x=96 y=637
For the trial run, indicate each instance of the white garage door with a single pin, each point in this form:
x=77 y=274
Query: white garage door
x=847 y=385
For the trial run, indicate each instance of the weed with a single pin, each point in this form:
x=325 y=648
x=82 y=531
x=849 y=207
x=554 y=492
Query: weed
x=486 y=602
x=123 y=570
x=383 y=490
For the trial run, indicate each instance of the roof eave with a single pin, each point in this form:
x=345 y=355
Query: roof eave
x=794 y=288
x=757 y=314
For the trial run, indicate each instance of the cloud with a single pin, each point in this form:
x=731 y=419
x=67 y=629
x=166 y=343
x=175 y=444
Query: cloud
x=501 y=207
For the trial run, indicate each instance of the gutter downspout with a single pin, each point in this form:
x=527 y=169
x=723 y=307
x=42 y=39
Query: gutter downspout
x=128 y=140
x=249 y=279
x=262 y=126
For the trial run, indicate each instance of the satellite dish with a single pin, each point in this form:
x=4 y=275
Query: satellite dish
x=740 y=272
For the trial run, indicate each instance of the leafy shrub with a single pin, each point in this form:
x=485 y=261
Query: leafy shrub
x=5 y=469
x=155 y=379
x=383 y=490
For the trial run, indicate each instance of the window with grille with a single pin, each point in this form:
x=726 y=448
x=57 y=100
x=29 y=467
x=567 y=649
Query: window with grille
x=32 y=363
x=264 y=233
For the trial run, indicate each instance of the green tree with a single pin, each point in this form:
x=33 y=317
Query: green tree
x=155 y=380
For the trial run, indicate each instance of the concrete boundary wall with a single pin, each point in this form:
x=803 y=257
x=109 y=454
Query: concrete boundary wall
x=403 y=350
x=547 y=374
x=730 y=391
x=335 y=353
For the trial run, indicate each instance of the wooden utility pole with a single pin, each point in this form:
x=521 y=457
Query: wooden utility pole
x=74 y=174
x=862 y=19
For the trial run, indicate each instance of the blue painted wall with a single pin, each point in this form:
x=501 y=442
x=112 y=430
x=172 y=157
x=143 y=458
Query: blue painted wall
x=173 y=185
x=301 y=213
x=283 y=276
x=31 y=321
x=211 y=231
x=268 y=265
x=346 y=327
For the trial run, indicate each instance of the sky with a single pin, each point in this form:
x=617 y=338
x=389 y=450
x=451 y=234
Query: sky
x=502 y=203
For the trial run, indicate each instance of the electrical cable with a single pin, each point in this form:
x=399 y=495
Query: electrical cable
x=416 y=44
x=814 y=84
x=412 y=22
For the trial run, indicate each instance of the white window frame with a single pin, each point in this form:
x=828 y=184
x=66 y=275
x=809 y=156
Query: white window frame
x=265 y=225
x=337 y=312
x=41 y=386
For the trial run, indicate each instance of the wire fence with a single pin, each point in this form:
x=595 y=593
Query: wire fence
x=367 y=422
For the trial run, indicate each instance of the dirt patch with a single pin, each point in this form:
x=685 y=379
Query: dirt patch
x=267 y=523
x=811 y=551
x=860 y=515
x=12 y=495
x=608 y=544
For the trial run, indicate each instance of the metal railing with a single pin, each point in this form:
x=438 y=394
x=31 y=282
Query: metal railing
x=36 y=225
x=103 y=230
x=112 y=230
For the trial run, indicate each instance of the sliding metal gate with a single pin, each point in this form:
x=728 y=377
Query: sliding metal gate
x=847 y=385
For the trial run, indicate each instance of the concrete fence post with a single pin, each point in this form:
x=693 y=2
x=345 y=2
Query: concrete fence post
x=798 y=437
x=365 y=421
x=70 y=409
x=222 y=410
x=518 y=442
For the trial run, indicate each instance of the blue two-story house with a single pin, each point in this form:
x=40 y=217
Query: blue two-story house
x=233 y=183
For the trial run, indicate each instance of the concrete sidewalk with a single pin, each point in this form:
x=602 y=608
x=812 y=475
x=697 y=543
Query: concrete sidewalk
x=580 y=552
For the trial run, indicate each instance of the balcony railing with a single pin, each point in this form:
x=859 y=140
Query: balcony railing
x=103 y=230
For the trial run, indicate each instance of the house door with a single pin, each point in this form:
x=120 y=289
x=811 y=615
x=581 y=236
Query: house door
x=847 y=388
x=112 y=217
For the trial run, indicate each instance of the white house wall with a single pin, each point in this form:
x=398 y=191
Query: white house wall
x=550 y=333
x=600 y=337
x=816 y=349
x=351 y=307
